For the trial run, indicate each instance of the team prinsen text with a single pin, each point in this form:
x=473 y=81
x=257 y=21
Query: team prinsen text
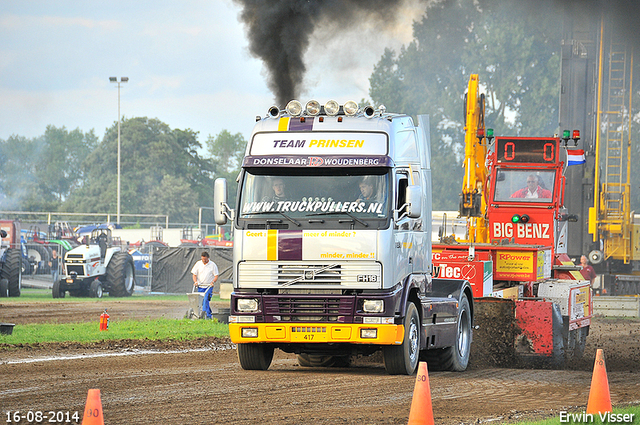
x=320 y=143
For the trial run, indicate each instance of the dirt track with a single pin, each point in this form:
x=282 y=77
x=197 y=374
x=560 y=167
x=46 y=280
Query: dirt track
x=202 y=383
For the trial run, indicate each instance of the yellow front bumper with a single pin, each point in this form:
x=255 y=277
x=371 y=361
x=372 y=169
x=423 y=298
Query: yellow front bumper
x=316 y=333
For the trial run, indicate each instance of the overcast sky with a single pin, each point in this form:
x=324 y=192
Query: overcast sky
x=187 y=61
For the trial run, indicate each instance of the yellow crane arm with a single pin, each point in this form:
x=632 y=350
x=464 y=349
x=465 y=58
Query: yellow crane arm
x=473 y=199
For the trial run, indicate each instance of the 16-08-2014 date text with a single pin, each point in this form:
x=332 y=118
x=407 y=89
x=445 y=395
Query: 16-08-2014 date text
x=42 y=417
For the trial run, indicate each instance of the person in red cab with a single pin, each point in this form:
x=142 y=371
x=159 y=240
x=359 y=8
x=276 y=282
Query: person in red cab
x=533 y=189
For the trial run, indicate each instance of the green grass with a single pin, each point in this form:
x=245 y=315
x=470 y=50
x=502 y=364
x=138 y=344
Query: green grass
x=30 y=295
x=154 y=329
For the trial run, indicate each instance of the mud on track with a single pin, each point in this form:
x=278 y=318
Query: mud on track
x=200 y=382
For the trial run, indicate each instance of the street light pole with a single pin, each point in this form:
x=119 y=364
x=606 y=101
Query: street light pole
x=115 y=80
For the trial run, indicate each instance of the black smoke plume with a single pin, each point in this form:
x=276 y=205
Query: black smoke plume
x=279 y=32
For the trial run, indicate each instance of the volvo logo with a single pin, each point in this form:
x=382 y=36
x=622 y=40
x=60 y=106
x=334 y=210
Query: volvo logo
x=309 y=274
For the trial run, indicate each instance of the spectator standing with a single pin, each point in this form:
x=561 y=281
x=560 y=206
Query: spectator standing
x=587 y=270
x=54 y=265
x=205 y=276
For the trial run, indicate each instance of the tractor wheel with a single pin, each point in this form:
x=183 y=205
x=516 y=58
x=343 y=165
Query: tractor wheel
x=256 y=356
x=4 y=288
x=12 y=271
x=403 y=359
x=56 y=291
x=95 y=291
x=120 y=275
x=26 y=267
x=41 y=257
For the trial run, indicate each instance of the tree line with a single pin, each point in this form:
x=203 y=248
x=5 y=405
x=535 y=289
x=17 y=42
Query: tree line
x=513 y=46
x=163 y=170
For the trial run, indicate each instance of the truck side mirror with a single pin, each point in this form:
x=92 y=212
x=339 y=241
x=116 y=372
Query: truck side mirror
x=221 y=211
x=414 y=201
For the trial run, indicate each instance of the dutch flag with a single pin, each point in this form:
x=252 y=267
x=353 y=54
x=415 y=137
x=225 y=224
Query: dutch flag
x=575 y=157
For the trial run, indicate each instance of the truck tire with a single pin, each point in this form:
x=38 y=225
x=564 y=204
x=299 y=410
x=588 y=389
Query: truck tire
x=256 y=356
x=95 y=290
x=455 y=358
x=4 y=288
x=120 y=275
x=12 y=271
x=57 y=291
x=403 y=359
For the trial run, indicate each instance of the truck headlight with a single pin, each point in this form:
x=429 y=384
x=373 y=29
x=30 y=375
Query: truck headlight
x=373 y=306
x=368 y=333
x=247 y=305
x=249 y=332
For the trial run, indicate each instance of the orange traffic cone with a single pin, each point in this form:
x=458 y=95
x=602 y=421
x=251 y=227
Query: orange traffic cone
x=93 y=409
x=421 y=410
x=599 y=396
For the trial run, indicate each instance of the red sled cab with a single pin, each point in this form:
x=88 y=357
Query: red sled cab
x=532 y=301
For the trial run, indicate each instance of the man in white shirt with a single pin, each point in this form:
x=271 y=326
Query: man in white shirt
x=205 y=275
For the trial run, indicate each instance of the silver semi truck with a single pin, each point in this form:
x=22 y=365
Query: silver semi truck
x=332 y=243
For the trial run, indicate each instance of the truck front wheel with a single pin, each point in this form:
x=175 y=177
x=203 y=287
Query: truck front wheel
x=255 y=356
x=403 y=359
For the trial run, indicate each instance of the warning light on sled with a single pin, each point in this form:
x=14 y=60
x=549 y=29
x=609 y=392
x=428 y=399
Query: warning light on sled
x=489 y=135
x=575 y=136
x=520 y=218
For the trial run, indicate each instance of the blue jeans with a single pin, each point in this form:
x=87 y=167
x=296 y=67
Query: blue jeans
x=208 y=292
x=54 y=275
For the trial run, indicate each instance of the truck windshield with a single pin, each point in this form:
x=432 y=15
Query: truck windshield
x=524 y=186
x=302 y=194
